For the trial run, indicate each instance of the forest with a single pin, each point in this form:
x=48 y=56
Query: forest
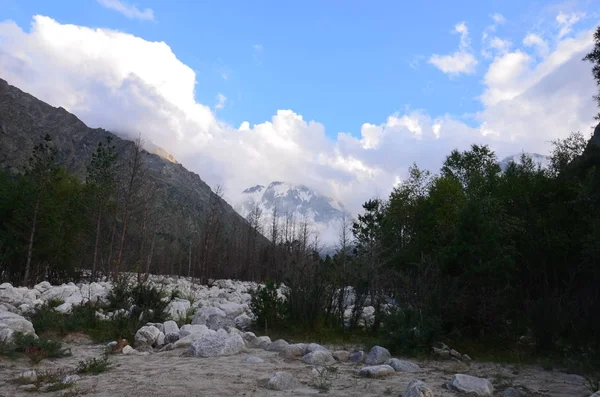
x=469 y=251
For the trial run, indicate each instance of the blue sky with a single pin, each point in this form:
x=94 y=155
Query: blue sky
x=340 y=62
x=340 y=95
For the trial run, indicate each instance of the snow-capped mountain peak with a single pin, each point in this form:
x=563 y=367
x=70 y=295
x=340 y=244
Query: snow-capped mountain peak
x=542 y=160
x=298 y=201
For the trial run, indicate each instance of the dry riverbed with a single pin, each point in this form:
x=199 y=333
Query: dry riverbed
x=170 y=374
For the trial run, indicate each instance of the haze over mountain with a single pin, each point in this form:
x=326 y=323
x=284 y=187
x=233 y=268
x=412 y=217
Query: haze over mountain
x=541 y=159
x=298 y=202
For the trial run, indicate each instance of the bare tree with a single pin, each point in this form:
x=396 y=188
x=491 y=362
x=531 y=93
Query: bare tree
x=135 y=174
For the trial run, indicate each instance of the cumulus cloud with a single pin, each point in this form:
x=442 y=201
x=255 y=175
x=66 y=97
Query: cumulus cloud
x=462 y=60
x=130 y=11
x=221 y=99
x=536 y=41
x=128 y=85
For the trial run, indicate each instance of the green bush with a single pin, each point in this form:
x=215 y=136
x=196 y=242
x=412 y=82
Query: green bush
x=269 y=309
x=35 y=349
x=409 y=331
x=93 y=366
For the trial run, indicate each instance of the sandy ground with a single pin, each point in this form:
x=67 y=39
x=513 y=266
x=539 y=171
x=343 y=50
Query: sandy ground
x=171 y=375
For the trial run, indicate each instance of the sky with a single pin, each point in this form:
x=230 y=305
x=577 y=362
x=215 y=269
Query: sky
x=342 y=96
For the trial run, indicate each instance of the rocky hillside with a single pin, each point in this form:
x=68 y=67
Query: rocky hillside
x=181 y=196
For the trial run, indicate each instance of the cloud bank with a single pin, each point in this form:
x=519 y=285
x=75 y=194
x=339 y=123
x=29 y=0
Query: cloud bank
x=126 y=84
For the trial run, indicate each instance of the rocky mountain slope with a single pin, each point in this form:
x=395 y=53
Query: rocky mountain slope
x=25 y=120
x=542 y=160
x=298 y=201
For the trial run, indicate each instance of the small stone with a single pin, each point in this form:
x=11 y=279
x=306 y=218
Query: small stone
x=71 y=379
x=376 y=371
x=341 y=355
x=417 y=388
x=402 y=365
x=277 y=346
x=471 y=384
x=29 y=376
x=377 y=355
x=253 y=359
x=281 y=381
x=29 y=387
x=357 y=357
x=318 y=357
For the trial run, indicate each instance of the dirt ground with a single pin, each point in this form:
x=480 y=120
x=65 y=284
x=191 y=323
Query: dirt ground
x=171 y=375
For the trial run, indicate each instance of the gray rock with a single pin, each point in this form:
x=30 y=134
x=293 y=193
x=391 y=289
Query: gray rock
x=278 y=346
x=597 y=394
x=29 y=376
x=455 y=354
x=204 y=313
x=377 y=355
x=146 y=336
x=130 y=351
x=253 y=359
x=192 y=329
x=318 y=357
x=357 y=357
x=29 y=387
x=402 y=365
x=281 y=381
x=466 y=358
x=417 y=388
x=170 y=327
x=521 y=392
x=261 y=342
x=243 y=321
x=216 y=322
x=341 y=355
x=213 y=345
x=441 y=352
x=11 y=323
x=376 y=371
x=71 y=379
x=167 y=347
x=471 y=384
x=160 y=326
x=312 y=347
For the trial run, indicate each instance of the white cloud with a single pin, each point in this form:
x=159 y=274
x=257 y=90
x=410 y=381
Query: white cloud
x=461 y=61
x=566 y=22
x=498 y=18
x=128 y=10
x=221 y=99
x=126 y=84
x=534 y=40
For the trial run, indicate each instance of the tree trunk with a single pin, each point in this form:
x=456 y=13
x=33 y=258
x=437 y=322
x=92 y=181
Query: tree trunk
x=96 y=244
x=149 y=261
x=122 y=243
x=31 y=237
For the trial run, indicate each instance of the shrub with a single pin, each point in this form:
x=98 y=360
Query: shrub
x=93 y=366
x=269 y=309
x=410 y=331
x=37 y=349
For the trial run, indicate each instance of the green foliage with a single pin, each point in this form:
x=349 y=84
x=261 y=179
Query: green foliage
x=269 y=309
x=594 y=57
x=409 y=331
x=35 y=349
x=93 y=366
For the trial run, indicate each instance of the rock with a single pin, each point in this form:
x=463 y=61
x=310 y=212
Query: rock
x=127 y=350
x=146 y=336
x=466 y=358
x=261 y=342
x=43 y=286
x=243 y=321
x=597 y=394
x=171 y=331
x=71 y=379
x=210 y=345
x=28 y=376
x=376 y=371
x=232 y=309
x=441 y=352
x=11 y=323
x=204 y=313
x=295 y=350
x=160 y=326
x=377 y=355
x=357 y=357
x=417 y=388
x=312 y=347
x=178 y=308
x=160 y=340
x=29 y=388
x=278 y=346
x=217 y=322
x=471 y=384
x=280 y=381
x=253 y=359
x=318 y=357
x=167 y=347
x=192 y=329
x=402 y=365
x=341 y=355
x=455 y=354
x=521 y=392
x=64 y=308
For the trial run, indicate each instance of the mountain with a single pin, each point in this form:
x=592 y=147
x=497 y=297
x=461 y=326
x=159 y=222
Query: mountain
x=542 y=160
x=298 y=201
x=182 y=198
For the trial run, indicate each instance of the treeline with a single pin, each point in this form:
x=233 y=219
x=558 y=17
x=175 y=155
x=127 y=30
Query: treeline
x=54 y=225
